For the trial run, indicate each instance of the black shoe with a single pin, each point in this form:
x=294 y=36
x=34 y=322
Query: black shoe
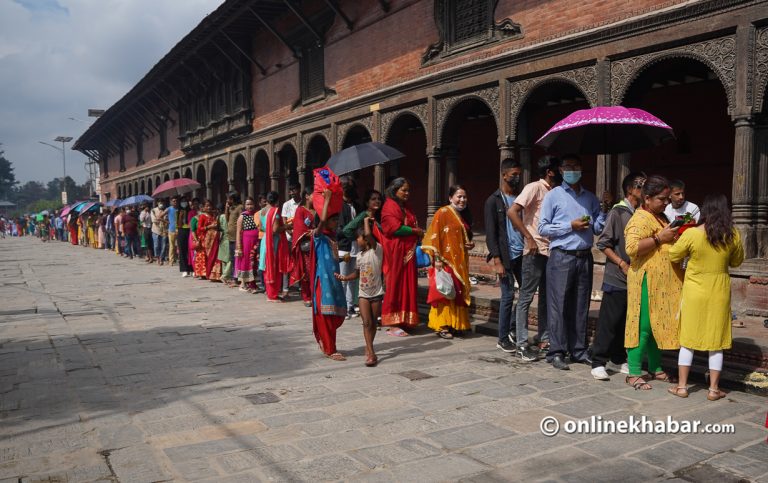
x=583 y=360
x=512 y=338
x=506 y=345
x=526 y=354
x=558 y=362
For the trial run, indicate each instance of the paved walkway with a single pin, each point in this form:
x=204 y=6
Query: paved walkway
x=112 y=370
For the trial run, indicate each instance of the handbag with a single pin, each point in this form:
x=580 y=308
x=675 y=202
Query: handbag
x=423 y=260
x=444 y=284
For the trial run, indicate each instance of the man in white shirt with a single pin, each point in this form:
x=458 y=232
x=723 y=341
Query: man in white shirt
x=289 y=209
x=678 y=206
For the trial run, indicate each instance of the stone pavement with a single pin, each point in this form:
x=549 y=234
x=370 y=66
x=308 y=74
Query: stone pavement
x=112 y=370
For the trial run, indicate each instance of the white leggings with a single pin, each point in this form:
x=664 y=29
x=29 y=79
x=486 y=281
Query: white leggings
x=715 y=359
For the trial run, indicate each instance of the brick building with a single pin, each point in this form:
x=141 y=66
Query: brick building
x=263 y=91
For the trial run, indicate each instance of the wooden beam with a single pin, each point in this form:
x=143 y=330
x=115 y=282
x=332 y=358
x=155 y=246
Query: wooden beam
x=305 y=21
x=245 y=54
x=274 y=32
x=335 y=7
x=234 y=62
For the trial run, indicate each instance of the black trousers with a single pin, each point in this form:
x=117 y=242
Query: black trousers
x=609 y=336
x=182 y=238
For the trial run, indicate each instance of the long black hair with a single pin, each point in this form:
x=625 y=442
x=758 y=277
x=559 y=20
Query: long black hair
x=717 y=220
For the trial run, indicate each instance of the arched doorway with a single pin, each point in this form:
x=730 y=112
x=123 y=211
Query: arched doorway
x=358 y=134
x=288 y=168
x=143 y=188
x=261 y=173
x=188 y=173
x=158 y=181
x=240 y=175
x=687 y=95
x=200 y=177
x=219 y=182
x=166 y=178
x=136 y=188
x=176 y=175
x=469 y=142
x=547 y=104
x=318 y=152
x=407 y=134
x=149 y=186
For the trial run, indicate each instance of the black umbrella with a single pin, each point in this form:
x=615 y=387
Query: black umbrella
x=362 y=156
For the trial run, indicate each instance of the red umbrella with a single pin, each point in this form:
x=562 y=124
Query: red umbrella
x=175 y=187
x=604 y=130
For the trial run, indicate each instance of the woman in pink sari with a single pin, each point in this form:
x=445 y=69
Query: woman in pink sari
x=247 y=238
x=303 y=223
x=277 y=251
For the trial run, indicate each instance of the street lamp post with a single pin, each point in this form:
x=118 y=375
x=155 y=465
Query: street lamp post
x=63 y=140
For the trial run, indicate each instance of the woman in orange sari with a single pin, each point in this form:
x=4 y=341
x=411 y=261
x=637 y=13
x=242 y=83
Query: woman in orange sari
x=303 y=223
x=206 y=239
x=277 y=251
x=448 y=241
x=398 y=236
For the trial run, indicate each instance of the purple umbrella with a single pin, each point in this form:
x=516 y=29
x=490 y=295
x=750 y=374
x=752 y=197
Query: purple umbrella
x=605 y=130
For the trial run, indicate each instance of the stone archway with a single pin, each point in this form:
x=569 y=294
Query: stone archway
x=201 y=178
x=407 y=134
x=219 y=182
x=143 y=188
x=287 y=168
x=176 y=175
x=317 y=152
x=261 y=173
x=240 y=176
x=149 y=185
x=469 y=145
x=365 y=178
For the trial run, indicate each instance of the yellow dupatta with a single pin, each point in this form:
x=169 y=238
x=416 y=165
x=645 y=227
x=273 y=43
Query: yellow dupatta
x=446 y=240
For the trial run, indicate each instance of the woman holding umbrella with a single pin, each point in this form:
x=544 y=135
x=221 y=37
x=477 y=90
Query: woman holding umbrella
x=399 y=235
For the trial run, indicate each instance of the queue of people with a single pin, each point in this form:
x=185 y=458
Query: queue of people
x=666 y=267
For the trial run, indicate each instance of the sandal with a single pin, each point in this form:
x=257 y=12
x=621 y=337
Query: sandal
x=371 y=361
x=445 y=334
x=663 y=377
x=336 y=356
x=243 y=289
x=639 y=383
x=678 y=391
x=307 y=304
x=715 y=394
x=397 y=332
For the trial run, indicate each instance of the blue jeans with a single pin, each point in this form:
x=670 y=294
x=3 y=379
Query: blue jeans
x=132 y=245
x=350 y=288
x=159 y=243
x=507 y=315
x=569 y=287
x=534 y=268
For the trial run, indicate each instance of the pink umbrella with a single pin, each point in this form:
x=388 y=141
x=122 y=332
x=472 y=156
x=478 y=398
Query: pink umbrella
x=175 y=187
x=604 y=130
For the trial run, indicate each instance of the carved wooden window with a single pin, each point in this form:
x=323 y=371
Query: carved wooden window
x=467 y=24
x=312 y=67
x=469 y=21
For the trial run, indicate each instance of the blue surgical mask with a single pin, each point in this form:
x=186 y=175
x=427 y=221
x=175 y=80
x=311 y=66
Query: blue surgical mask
x=571 y=177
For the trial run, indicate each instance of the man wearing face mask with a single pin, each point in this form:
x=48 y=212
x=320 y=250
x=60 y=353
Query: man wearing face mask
x=159 y=231
x=505 y=250
x=524 y=214
x=570 y=217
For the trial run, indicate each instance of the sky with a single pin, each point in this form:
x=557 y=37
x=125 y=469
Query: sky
x=59 y=58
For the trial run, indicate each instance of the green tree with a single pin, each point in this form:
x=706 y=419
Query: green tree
x=7 y=178
x=28 y=193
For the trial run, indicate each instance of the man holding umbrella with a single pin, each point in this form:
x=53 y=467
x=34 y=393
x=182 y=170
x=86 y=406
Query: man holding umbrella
x=570 y=215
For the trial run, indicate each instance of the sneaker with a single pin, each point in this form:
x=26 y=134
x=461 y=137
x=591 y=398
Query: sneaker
x=526 y=354
x=511 y=337
x=184 y=274
x=506 y=346
x=623 y=368
x=600 y=374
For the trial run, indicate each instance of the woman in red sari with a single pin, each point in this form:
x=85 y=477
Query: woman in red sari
x=398 y=236
x=207 y=237
x=277 y=250
x=303 y=222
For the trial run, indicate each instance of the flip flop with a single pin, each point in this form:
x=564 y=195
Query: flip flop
x=397 y=333
x=371 y=362
x=336 y=356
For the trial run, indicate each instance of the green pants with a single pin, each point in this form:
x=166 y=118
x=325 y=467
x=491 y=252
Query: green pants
x=647 y=343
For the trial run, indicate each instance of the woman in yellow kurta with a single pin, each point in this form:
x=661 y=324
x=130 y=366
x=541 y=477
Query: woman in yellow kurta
x=705 y=306
x=448 y=241
x=653 y=286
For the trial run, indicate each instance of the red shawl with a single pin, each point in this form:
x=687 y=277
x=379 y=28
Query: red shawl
x=400 y=305
x=278 y=260
x=210 y=241
x=301 y=232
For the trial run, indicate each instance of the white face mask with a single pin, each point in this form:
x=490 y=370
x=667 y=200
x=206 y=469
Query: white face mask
x=184 y=204
x=161 y=206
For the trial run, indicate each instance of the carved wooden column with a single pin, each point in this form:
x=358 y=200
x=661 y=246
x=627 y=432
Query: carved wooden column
x=743 y=195
x=231 y=185
x=603 y=174
x=251 y=186
x=433 y=183
x=761 y=158
x=379 y=178
x=209 y=190
x=506 y=151
x=525 y=162
x=622 y=170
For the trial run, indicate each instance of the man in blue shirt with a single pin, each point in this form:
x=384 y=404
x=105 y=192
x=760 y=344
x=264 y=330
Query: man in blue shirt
x=570 y=217
x=505 y=249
